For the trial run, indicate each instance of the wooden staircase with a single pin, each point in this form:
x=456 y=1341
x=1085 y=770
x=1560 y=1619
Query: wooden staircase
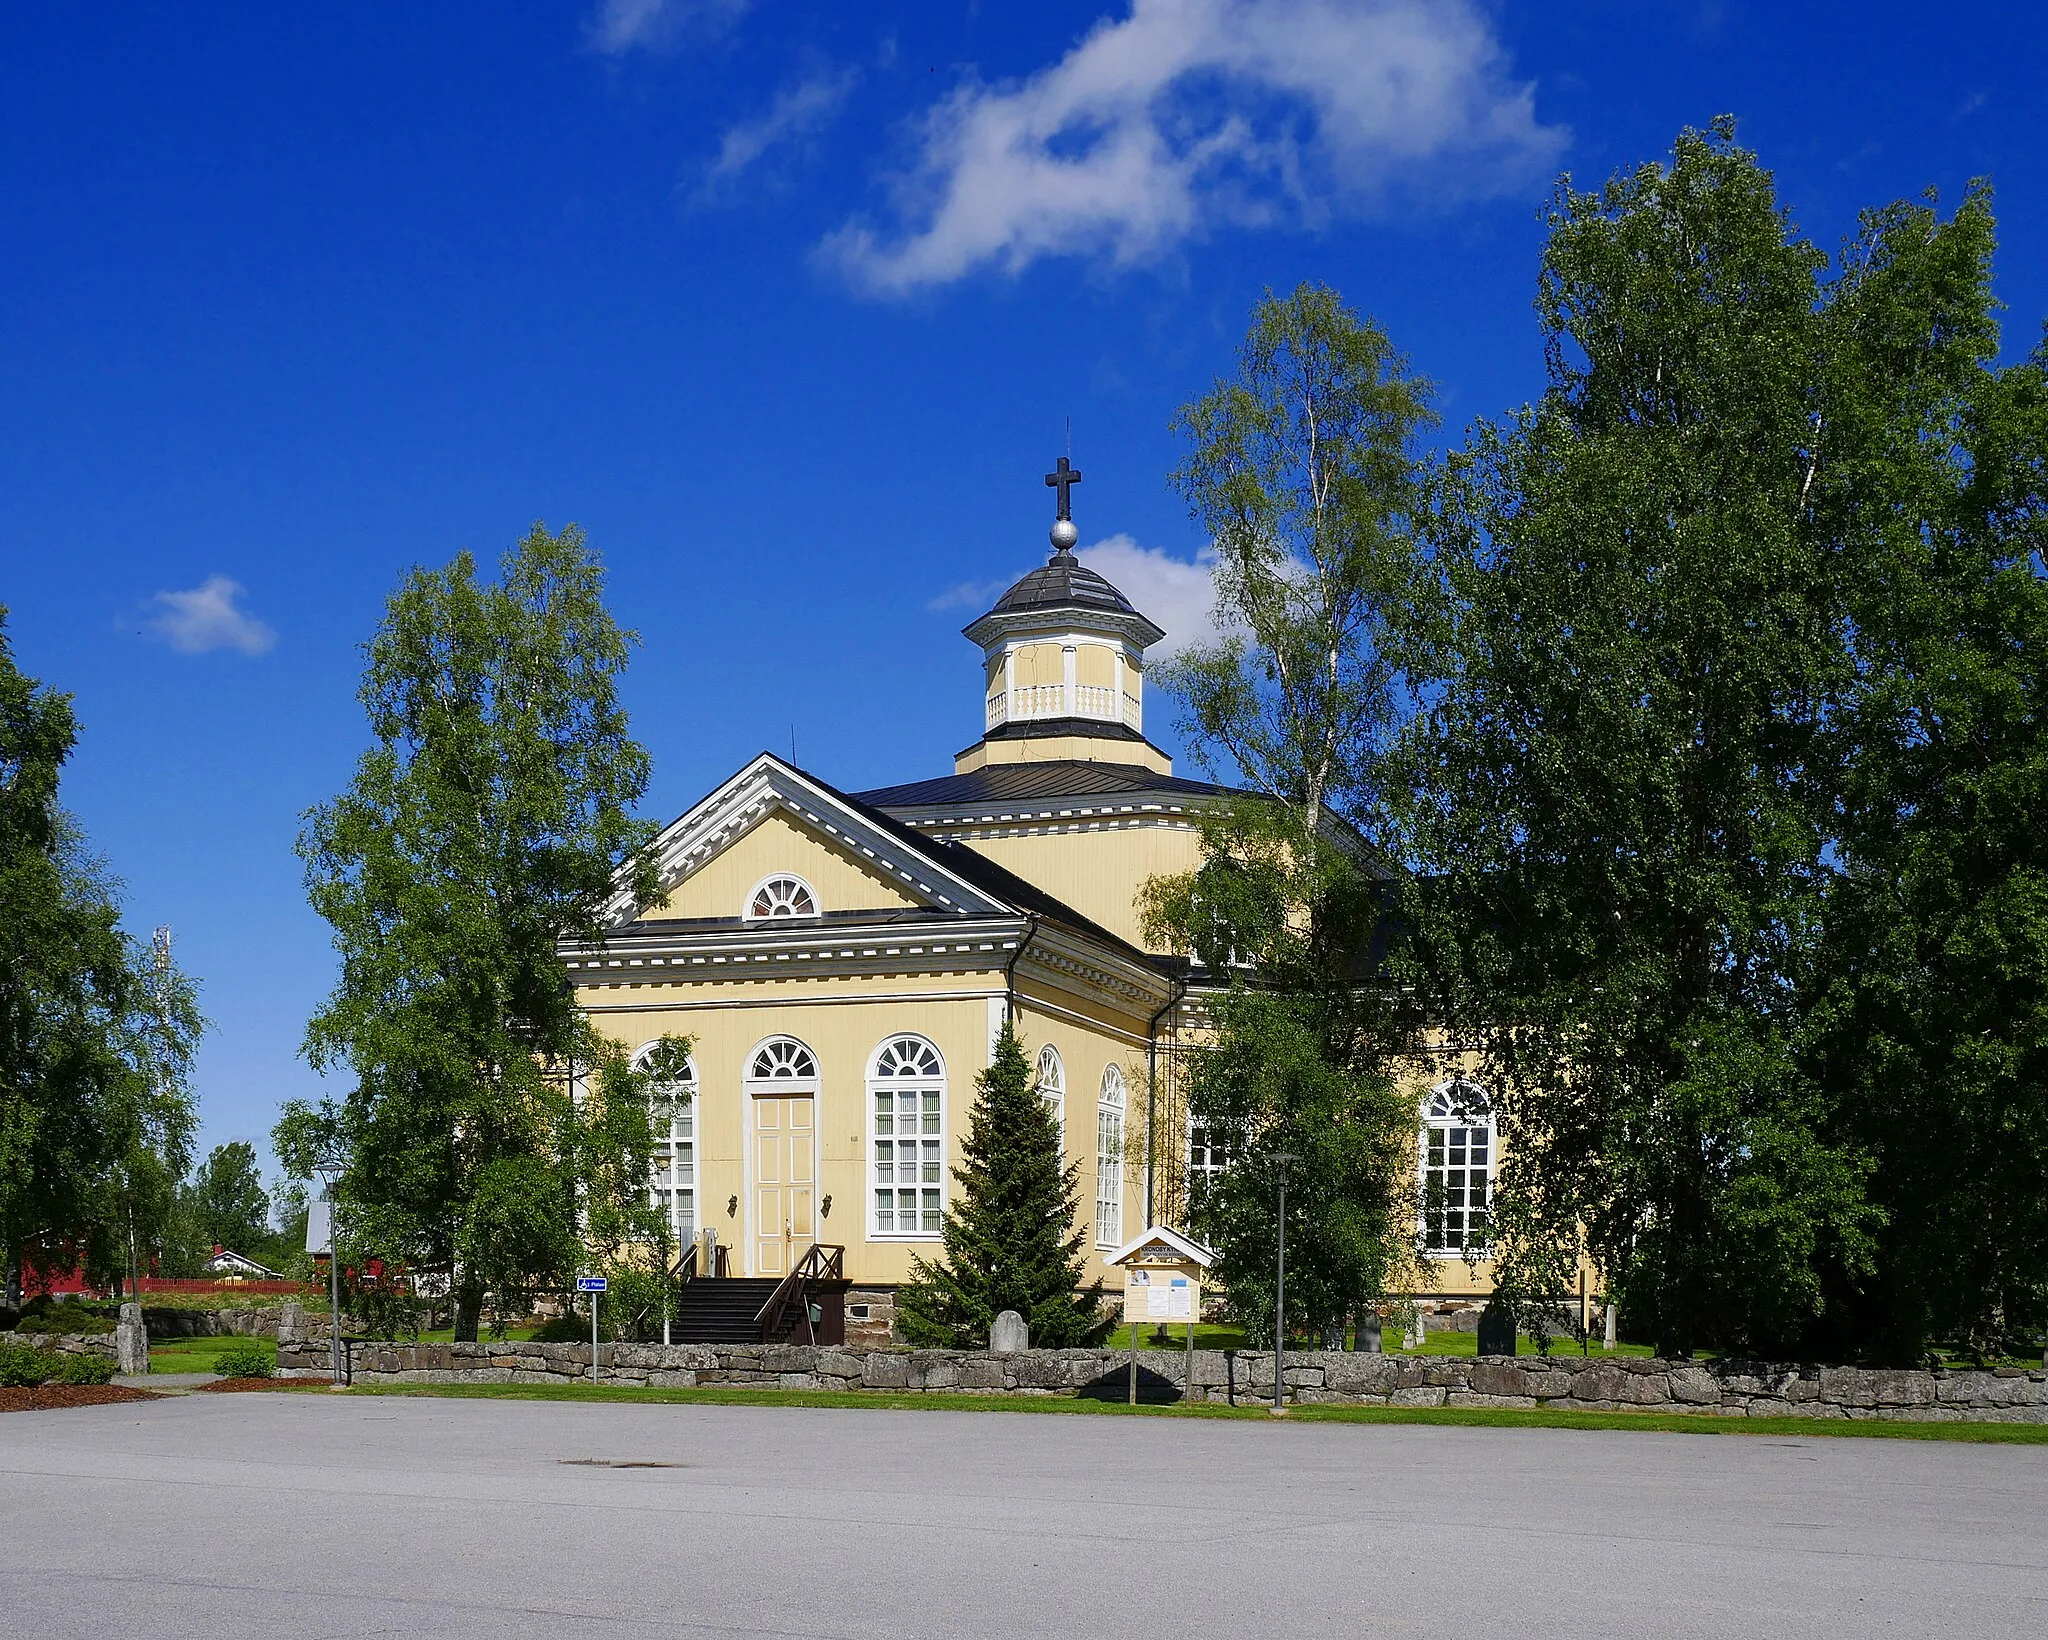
x=724 y=1312
x=765 y=1309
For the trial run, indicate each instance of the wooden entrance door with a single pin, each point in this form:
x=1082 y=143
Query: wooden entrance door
x=785 y=1181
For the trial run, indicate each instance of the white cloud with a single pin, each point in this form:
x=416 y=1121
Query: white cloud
x=620 y=26
x=1179 y=595
x=797 y=111
x=1189 y=114
x=206 y=618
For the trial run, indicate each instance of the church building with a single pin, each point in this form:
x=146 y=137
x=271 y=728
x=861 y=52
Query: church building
x=842 y=963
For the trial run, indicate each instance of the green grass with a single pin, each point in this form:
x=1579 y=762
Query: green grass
x=1459 y=1417
x=198 y=1354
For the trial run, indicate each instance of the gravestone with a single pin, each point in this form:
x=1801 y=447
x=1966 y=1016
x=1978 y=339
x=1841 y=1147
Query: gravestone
x=1369 y=1339
x=1496 y=1329
x=1009 y=1335
x=131 y=1340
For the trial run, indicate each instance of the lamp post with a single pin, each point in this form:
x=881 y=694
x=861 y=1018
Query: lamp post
x=329 y=1166
x=1280 y=1160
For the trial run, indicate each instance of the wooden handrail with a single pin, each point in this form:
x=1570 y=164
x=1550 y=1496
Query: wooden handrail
x=821 y=1263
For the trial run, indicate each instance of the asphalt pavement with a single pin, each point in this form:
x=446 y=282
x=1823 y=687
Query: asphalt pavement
x=307 y=1515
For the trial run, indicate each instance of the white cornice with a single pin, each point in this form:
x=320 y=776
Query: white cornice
x=768 y=785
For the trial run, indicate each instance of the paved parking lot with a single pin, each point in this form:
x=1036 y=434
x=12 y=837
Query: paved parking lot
x=309 y=1516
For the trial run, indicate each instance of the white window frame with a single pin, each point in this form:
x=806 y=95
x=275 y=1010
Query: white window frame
x=1458 y=1120
x=931 y=1146
x=1110 y=1105
x=663 y=1183
x=786 y=1073
x=748 y=914
x=1209 y=1167
x=1053 y=1089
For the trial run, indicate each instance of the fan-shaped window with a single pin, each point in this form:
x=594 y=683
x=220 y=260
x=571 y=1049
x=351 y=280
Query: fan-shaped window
x=673 y=1174
x=783 y=1059
x=1052 y=1084
x=1109 y=1159
x=781 y=896
x=907 y=1163
x=1457 y=1166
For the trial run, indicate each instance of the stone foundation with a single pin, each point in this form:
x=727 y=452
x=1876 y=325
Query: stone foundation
x=1729 y=1388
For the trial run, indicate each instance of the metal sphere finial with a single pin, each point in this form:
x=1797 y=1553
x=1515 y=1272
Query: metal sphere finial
x=1064 y=535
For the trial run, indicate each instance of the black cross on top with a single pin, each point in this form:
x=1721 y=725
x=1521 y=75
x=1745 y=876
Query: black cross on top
x=1063 y=478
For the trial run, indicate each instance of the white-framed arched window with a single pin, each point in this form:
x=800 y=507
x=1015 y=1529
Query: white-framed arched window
x=906 y=1140
x=1109 y=1159
x=782 y=895
x=673 y=1173
x=1052 y=1087
x=785 y=1062
x=1458 y=1155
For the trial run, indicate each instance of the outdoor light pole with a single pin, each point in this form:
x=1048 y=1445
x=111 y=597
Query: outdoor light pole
x=329 y=1168
x=1280 y=1160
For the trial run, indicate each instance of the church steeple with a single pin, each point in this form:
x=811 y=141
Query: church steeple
x=1064 y=662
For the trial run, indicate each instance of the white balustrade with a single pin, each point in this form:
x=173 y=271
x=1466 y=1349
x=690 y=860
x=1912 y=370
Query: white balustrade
x=1049 y=700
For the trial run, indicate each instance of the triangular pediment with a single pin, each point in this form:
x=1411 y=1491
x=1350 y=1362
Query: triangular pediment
x=772 y=818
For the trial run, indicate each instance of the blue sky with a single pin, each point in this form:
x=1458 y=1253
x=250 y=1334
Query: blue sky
x=788 y=305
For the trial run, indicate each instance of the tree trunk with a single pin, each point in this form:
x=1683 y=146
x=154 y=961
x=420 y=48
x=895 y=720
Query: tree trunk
x=13 y=1277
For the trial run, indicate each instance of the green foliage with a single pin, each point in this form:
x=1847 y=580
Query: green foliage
x=228 y=1199
x=22 y=1366
x=1010 y=1236
x=246 y=1358
x=84 y=1368
x=1727 y=792
x=487 y=822
x=1931 y=1030
x=1303 y=470
x=569 y=1327
x=95 y=1040
x=65 y=1317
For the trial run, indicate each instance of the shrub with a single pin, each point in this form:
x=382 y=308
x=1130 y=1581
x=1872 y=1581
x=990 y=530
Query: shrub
x=245 y=1358
x=22 y=1366
x=91 y=1368
x=567 y=1328
x=67 y=1316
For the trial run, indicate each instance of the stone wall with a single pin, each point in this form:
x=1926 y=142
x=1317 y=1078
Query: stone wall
x=252 y=1321
x=64 y=1343
x=1611 y=1384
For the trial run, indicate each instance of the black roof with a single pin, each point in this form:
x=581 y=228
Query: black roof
x=1067 y=583
x=972 y=866
x=1030 y=782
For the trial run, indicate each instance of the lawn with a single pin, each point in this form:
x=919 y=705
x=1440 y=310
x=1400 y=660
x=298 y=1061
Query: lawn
x=198 y=1354
x=1467 y=1417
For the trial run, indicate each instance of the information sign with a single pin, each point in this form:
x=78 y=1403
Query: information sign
x=590 y=1284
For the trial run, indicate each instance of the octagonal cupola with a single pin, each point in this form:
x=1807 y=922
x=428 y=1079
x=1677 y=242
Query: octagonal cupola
x=1063 y=663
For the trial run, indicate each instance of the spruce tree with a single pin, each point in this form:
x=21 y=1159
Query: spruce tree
x=1006 y=1232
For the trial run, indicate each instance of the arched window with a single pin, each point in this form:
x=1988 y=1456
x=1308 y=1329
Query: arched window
x=1457 y=1166
x=783 y=1059
x=781 y=896
x=673 y=1175
x=1109 y=1160
x=1052 y=1085
x=907 y=1144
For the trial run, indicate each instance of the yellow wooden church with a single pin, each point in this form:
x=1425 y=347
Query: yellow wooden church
x=842 y=963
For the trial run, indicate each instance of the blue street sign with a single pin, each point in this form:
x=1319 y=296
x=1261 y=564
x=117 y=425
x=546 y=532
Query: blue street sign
x=590 y=1284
